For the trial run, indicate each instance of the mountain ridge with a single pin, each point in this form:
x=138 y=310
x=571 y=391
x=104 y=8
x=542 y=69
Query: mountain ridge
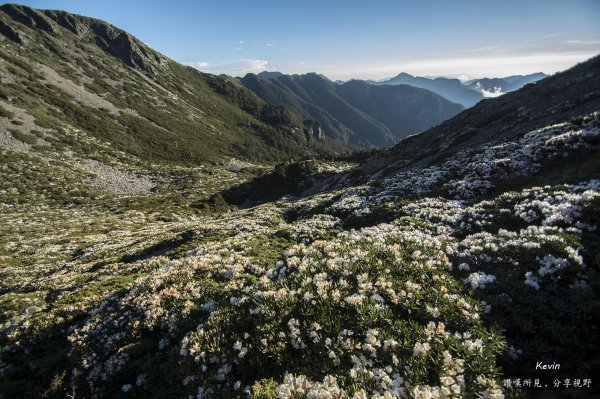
x=452 y=89
x=129 y=49
x=449 y=88
x=342 y=110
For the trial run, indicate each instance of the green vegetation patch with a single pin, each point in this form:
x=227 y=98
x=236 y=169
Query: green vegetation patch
x=27 y=179
x=4 y=113
x=24 y=137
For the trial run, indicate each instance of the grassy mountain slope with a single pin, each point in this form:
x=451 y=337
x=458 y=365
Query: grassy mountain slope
x=68 y=71
x=274 y=92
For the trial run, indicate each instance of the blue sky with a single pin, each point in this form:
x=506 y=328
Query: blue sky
x=358 y=39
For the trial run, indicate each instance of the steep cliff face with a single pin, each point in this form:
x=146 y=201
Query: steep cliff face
x=10 y=33
x=314 y=128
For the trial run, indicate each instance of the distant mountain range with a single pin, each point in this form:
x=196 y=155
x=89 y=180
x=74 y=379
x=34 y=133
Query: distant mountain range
x=452 y=89
x=356 y=112
x=496 y=86
x=466 y=93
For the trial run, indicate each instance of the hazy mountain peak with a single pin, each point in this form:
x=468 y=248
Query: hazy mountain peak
x=448 y=88
x=493 y=87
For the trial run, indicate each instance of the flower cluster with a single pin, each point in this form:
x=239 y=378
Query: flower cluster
x=363 y=278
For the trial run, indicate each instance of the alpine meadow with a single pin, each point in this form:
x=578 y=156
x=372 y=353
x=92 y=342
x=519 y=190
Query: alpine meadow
x=170 y=233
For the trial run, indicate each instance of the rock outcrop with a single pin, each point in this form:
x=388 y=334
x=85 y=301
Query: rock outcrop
x=10 y=33
x=109 y=38
x=28 y=16
x=314 y=129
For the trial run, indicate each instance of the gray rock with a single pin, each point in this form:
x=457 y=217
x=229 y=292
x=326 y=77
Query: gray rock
x=33 y=309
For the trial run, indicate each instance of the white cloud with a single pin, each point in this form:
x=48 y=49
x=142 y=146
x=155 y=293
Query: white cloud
x=270 y=45
x=488 y=48
x=233 y=68
x=582 y=42
x=495 y=92
x=196 y=65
